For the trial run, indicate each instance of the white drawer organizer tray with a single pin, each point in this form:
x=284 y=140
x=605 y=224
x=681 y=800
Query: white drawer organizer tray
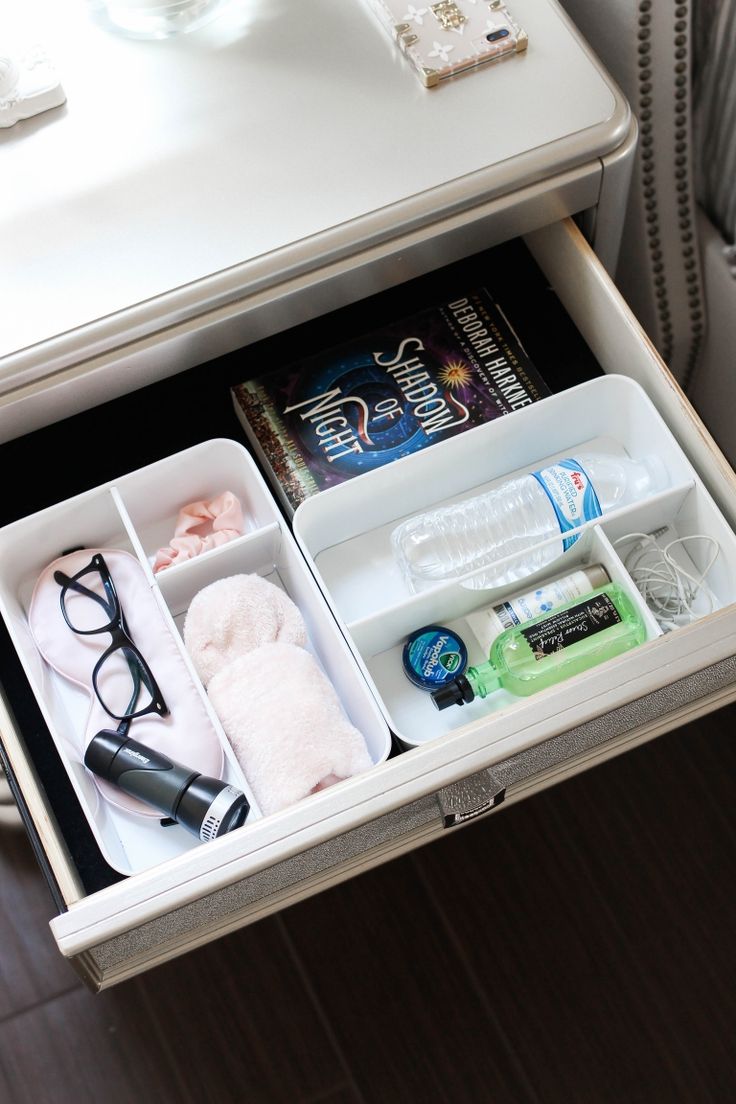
x=137 y=513
x=345 y=534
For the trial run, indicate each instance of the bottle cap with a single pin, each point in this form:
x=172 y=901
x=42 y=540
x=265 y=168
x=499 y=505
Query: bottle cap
x=457 y=692
x=432 y=656
x=657 y=472
x=597 y=575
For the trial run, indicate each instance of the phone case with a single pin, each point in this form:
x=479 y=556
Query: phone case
x=452 y=36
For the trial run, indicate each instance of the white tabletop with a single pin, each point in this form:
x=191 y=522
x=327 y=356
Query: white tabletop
x=176 y=159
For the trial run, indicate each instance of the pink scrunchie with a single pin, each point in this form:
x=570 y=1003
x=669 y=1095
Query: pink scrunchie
x=218 y=521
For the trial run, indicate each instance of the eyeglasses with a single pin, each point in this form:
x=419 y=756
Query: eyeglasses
x=121 y=678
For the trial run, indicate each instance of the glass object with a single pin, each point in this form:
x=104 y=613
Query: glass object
x=121 y=678
x=551 y=648
x=157 y=18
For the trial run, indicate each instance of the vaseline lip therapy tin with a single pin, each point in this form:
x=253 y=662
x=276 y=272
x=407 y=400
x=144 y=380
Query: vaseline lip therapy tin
x=433 y=656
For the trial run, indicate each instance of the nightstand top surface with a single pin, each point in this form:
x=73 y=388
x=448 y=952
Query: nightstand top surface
x=275 y=124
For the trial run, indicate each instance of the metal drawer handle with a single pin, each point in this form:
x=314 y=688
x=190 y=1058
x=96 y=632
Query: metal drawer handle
x=469 y=798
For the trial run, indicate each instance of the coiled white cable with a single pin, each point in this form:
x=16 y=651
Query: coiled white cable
x=669 y=590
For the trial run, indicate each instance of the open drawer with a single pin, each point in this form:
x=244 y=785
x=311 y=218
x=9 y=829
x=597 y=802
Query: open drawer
x=112 y=931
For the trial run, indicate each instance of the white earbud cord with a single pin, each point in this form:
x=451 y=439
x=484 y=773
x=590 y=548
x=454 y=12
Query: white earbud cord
x=669 y=590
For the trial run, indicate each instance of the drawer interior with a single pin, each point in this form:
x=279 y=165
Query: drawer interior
x=100 y=446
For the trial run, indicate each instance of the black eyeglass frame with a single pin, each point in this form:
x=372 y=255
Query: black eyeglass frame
x=121 y=638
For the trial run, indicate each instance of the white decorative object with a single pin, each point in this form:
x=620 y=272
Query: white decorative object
x=28 y=85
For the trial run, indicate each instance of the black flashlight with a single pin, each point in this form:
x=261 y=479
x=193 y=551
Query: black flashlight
x=208 y=807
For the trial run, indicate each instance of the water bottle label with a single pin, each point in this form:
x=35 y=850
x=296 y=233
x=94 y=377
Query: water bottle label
x=572 y=495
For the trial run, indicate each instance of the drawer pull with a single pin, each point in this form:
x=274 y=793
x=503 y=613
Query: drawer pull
x=469 y=798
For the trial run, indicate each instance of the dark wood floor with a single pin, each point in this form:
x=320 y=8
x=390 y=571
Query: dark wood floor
x=577 y=947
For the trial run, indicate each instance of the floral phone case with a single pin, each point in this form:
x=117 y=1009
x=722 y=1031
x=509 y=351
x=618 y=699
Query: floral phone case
x=446 y=38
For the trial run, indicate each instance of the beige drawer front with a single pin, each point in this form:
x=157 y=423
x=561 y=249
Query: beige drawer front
x=415 y=796
x=356 y=850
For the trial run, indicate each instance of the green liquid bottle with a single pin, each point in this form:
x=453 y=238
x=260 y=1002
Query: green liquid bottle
x=553 y=647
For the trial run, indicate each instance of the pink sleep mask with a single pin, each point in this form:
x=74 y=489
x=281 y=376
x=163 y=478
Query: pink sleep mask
x=186 y=734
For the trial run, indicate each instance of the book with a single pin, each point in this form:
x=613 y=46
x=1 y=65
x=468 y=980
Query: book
x=385 y=394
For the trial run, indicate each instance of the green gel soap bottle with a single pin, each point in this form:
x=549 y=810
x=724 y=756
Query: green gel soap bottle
x=553 y=647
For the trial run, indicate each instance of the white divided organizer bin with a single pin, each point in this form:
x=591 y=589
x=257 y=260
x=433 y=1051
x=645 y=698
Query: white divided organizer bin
x=137 y=514
x=345 y=533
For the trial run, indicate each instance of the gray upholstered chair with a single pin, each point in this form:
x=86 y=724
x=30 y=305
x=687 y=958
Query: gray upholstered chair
x=675 y=60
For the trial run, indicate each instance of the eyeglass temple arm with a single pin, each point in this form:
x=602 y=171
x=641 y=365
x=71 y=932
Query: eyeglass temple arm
x=72 y=584
x=136 y=676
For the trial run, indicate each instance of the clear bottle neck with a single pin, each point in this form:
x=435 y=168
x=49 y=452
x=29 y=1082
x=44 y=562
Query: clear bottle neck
x=484 y=679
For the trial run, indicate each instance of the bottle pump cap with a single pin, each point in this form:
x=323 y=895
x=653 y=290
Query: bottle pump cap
x=457 y=692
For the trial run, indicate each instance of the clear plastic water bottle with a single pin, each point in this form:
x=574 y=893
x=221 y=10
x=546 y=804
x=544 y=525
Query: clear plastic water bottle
x=514 y=517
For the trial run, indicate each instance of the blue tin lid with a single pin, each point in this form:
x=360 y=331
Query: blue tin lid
x=433 y=656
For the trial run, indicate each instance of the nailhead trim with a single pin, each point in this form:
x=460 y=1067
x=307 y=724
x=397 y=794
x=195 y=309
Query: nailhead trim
x=648 y=176
x=649 y=171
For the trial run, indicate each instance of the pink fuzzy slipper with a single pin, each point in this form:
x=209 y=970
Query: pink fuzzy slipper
x=286 y=724
x=235 y=615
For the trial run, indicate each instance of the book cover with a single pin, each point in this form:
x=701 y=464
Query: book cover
x=386 y=394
